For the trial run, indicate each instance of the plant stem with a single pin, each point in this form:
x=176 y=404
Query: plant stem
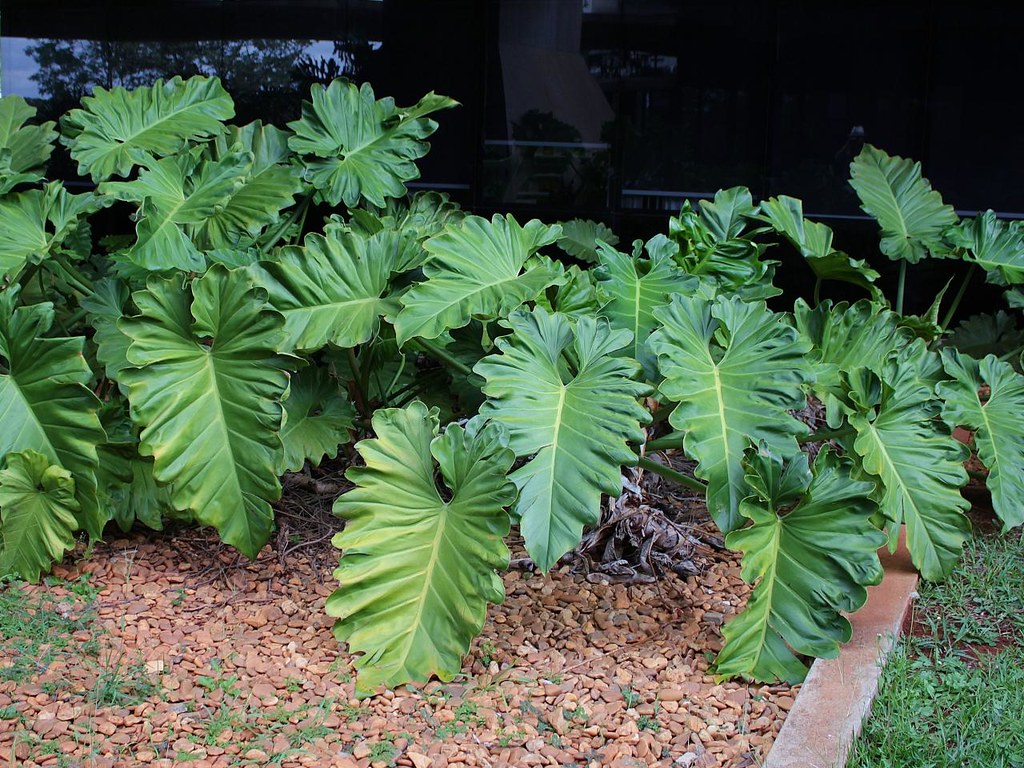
x=72 y=276
x=829 y=434
x=357 y=391
x=900 y=287
x=662 y=413
x=817 y=291
x=671 y=440
x=1012 y=353
x=300 y=209
x=26 y=277
x=959 y=297
x=76 y=318
x=302 y=222
x=670 y=474
x=444 y=356
x=413 y=385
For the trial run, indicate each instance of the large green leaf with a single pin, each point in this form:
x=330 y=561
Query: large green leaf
x=206 y=388
x=407 y=222
x=105 y=307
x=331 y=289
x=38 y=506
x=360 y=147
x=736 y=370
x=919 y=466
x=997 y=421
x=478 y=269
x=911 y=214
x=711 y=244
x=1015 y=298
x=380 y=364
x=845 y=336
x=117 y=129
x=145 y=500
x=38 y=223
x=45 y=403
x=994 y=245
x=270 y=185
x=728 y=214
x=318 y=419
x=813 y=240
x=569 y=401
x=126 y=483
x=582 y=238
x=173 y=193
x=24 y=149
x=989 y=334
x=631 y=288
x=811 y=549
x=576 y=296
x=116 y=455
x=419 y=564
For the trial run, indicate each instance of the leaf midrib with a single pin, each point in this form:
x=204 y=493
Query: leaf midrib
x=121 y=142
x=211 y=368
x=770 y=590
x=51 y=451
x=552 y=475
x=434 y=314
x=990 y=434
x=895 y=202
x=427 y=579
x=903 y=490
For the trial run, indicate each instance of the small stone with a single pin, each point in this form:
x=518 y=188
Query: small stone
x=106 y=727
x=419 y=760
x=557 y=721
x=361 y=751
x=264 y=691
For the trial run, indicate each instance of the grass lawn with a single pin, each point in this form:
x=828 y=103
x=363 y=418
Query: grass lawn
x=952 y=693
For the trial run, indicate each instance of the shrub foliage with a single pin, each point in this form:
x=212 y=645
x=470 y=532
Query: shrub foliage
x=277 y=294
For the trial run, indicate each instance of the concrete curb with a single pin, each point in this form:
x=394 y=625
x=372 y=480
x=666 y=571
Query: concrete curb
x=836 y=697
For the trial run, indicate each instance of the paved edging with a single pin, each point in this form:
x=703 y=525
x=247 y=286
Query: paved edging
x=836 y=697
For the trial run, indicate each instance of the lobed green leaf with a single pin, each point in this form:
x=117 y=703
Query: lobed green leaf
x=117 y=129
x=37 y=507
x=997 y=422
x=736 y=370
x=811 y=549
x=420 y=556
x=205 y=386
x=911 y=214
x=569 y=401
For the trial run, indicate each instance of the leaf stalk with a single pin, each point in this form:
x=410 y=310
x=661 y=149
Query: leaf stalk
x=444 y=356
x=671 y=474
x=901 y=287
x=959 y=297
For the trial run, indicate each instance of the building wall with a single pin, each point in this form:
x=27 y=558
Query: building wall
x=609 y=109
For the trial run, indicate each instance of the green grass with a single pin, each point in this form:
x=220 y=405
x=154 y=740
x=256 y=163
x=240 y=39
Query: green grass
x=38 y=629
x=953 y=693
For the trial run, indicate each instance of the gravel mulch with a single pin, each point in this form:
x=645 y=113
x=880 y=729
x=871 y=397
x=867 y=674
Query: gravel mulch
x=172 y=650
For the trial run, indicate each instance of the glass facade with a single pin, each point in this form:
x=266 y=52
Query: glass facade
x=616 y=110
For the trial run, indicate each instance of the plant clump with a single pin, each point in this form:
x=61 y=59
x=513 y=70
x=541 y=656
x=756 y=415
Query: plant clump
x=276 y=293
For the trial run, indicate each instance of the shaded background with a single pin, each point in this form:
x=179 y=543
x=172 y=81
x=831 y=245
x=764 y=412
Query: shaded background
x=616 y=110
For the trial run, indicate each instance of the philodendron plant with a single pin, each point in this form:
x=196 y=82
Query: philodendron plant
x=276 y=293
